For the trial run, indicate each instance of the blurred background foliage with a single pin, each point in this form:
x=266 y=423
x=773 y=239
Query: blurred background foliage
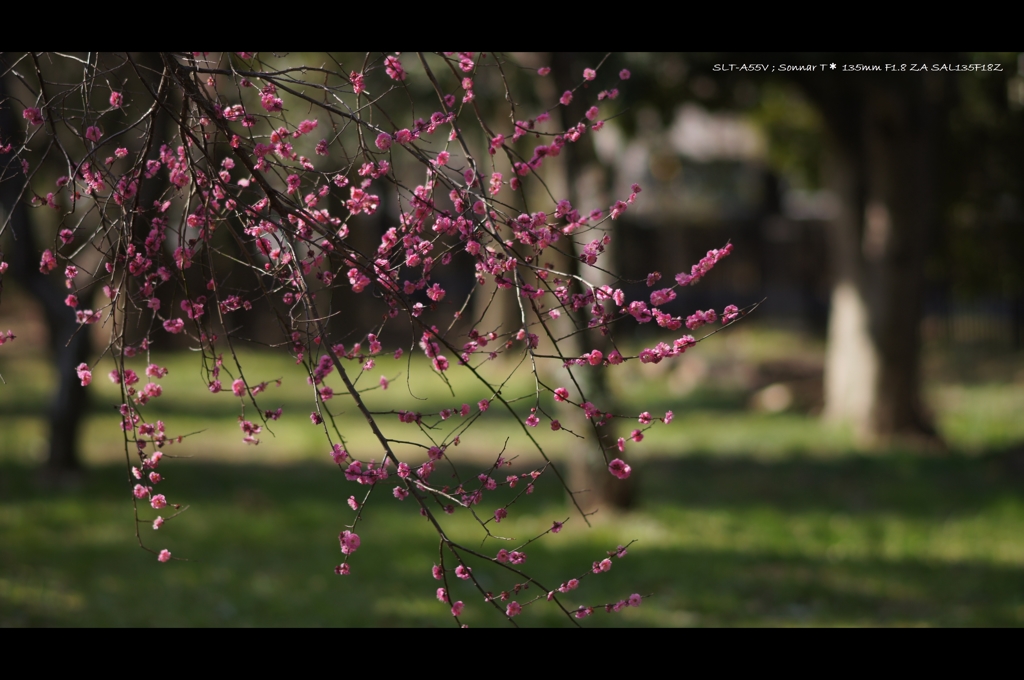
x=750 y=508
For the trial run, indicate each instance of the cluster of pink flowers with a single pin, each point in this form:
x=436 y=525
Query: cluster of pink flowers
x=698 y=270
x=296 y=214
x=620 y=468
x=349 y=542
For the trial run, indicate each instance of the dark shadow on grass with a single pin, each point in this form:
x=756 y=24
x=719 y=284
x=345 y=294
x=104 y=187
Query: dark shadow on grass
x=907 y=484
x=262 y=540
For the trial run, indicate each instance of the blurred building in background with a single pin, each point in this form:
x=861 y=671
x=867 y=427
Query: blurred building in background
x=706 y=181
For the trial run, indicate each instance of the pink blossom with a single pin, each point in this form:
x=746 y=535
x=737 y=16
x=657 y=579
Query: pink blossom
x=682 y=344
x=592 y=113
x=483 y=405
x=572 y=584
x=435 y=292
x=516 y=557
x=532 y=420
x=158 y=501
x=116 y=99
x=158 y=522
x=87 y=316
x=353 y=503
x=502 y=556
x=635 y=600
x=614 y=357
x=271 y=103
x=462 y=572
x=645 y=418
x=358 y=82
x=513 y=609
x=442 y=595
x=338 y=455
x=349 y=542
x=383 y=141
x=32 y=115
x=637 y=436
x=238 y=387
x=48 y=262
x=165 y=555
x=305 y=127
x=649 y=356
x=605 y=564
x=663 y=296
x=437 y=572
x=543 y=70
x=500 y=514
x=565 y=98
x=561 y=394
x=457 y=608
x=624 y=74
x=399 y=493
x=394 y=69
x=619 y=468
x=140 y=491
x=84 y=374
x=668 y=417
x=589 y=74
x=342 y=569
x=556 y=527
x=174 y=325
x=555 y=425
x=93 y=133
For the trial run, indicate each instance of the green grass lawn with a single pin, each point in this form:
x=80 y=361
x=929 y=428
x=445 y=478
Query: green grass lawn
x=743 y=518
x=894 y=541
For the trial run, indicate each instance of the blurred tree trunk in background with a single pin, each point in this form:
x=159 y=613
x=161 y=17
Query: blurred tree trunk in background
x=882 y=139
x=68 y=341
x=586 y=183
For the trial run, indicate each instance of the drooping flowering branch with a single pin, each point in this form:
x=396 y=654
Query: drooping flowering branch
x=185 y=196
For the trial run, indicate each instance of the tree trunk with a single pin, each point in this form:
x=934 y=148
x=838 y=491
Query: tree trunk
x=585 y=183
x=879 y=164
x=69 y=342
